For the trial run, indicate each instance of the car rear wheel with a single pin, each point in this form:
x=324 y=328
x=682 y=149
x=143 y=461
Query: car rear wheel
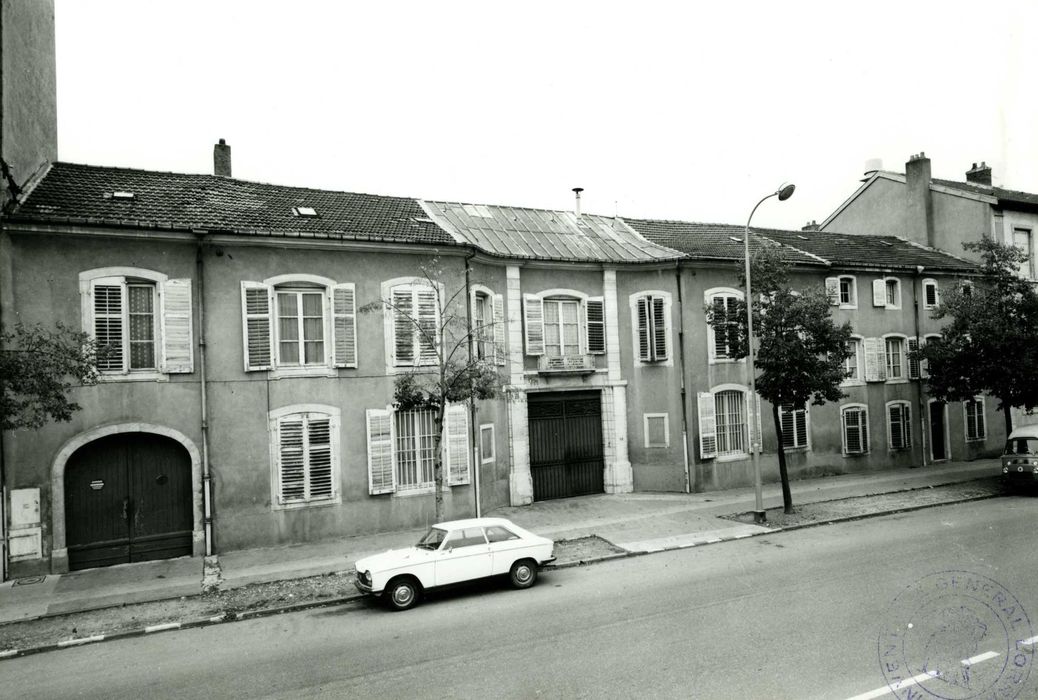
x=523 y=573
x=401 y=593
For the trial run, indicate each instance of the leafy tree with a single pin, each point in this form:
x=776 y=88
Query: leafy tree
x=990 y=345
x=800 y=351
x=38 y=367
x=453 y=374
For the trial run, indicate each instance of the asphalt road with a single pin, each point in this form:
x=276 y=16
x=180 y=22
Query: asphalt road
x=789 y=615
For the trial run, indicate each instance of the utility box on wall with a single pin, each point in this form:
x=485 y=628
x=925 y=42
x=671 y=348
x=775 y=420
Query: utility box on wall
x=25 y=535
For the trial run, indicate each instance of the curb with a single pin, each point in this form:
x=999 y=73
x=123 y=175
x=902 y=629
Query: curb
x=230 y=616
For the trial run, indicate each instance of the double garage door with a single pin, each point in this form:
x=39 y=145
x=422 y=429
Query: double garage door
x=127 y=499
x=566 y=453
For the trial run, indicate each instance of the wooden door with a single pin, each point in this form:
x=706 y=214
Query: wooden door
x=937 y=431
x=566 y=452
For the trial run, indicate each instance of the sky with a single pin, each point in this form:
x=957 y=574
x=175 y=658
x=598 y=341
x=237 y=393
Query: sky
x=659 y=110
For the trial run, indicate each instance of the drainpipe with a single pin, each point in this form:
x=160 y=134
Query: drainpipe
x=472 y=400
x=681 y=373
x=207 y=481
x=916 y=286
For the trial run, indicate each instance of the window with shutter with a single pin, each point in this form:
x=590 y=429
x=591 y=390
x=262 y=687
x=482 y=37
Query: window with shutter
x=656 y=427
x=306 y=459
x=659 y=329
x=853 y=363
x=914 y=370
x=140 y=318
x=794 y=426
x=650 y=318
x=257 y=326
x=533 y=312
x=415 y=435
x=415 y=313
x=879 y=292
x=561 y=327
x=596 y=326
x=644 y=335
x=730 y=411
x=833 y=289
x=300 y=327
x=894 y=357
x=855 y=420
x=720 y=333
x=976 y=428
x=893 y=294
x=381 y=465
x=499 y=330
x=848 y=292
x=899 y=425
x=707 y=425
x=875 y=360
x=481 y=324
x=931 y=297
x=458 y=455
x=344 y=326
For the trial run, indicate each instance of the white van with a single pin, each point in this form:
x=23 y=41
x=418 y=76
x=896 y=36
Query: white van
x=1020 y=458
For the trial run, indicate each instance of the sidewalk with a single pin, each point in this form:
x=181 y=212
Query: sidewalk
x=636 y=522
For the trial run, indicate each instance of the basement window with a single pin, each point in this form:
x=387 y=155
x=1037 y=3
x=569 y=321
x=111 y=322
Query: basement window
x=304 y=211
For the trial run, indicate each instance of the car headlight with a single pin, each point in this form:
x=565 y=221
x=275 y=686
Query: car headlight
x=1005 y=470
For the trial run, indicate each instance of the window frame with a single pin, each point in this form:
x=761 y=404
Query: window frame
x=300 y=341
x=806 y=414
x=390 y=286
x=483 y=458
x=927 y=283
x=892 y=283
x=274 y=417
x=579 y=326
x=979 y=422
x=745 y=436
x=903 y=361
x=852 y=286
x=646 y=417
x=709 y=296
x=906 y=425
x=655 y=361
x=862 y=410
x=859 y=360
x=1029 y=272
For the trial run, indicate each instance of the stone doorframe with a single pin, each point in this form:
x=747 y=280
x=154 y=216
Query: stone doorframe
x=59 y=549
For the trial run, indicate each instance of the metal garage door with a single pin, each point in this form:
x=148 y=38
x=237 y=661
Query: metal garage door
x=566 y=455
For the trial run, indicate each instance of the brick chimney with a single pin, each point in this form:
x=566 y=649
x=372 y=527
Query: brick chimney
x=919 y=201
x=979 y=175
x=222 y=159
x=811 y=226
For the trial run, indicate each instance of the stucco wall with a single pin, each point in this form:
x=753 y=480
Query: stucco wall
x=878 y=210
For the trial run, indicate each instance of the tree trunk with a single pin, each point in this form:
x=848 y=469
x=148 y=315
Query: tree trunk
x=787 y=496
x=1007 y=414
x=438 y=462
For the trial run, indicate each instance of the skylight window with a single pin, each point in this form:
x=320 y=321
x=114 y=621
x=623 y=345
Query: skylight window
x=304 y=211
x=479 y=210
x=123 y=195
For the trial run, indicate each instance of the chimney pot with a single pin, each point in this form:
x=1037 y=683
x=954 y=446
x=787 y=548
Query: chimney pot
x=222 y=159
x=979 y=176
x=577 y=191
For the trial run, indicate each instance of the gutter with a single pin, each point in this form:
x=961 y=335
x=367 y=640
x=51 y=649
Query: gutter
x=207 y=479
x=916 y=287
x=681 y=373
x=473 y=434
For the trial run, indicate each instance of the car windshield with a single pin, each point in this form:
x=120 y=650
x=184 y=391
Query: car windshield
x=432 y=539
x=1022 y=446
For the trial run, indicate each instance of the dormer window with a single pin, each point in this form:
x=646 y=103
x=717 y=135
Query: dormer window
x=309 y=212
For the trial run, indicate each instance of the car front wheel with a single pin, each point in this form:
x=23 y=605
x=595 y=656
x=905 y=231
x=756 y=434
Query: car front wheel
x=523 y=573
x=401 y=594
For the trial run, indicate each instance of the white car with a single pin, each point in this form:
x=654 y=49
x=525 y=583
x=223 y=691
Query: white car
x=455 y=552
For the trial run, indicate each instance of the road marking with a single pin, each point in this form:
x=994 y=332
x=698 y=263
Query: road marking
x=1029 y=642
x=979 y=657
x=8 y=653
x=162 y=628
x=915 y=680
x=81 y=640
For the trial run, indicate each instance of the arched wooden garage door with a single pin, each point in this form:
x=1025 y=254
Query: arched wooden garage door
x=127 y=498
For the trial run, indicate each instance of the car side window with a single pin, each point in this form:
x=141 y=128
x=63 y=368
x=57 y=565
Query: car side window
x=466 y=537
x=496 y=533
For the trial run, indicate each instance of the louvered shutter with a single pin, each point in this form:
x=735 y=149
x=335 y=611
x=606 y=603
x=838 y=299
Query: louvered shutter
x=291 y=459
x=320 y=478
x=108 y=305
x=659 y=329
x=914 y=369
x=177 y=348
x=644 y=347
x=832 y=290
x=499 y=330
x=801 y=427
x=875 y=360
x=381 y=457
x=721 y=311
x=344 y=324
x=457 y=455
x=754 y=424
x=404 y=328
x=428 y=316
x=879 y=292
x=596 y=325
x=707 y=425
x=257 y=333
x=533 y=311
x=930 y=294
x=786 y=421
x=896 y=438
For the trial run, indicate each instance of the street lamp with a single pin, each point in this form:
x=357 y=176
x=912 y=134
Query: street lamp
x=759 y=515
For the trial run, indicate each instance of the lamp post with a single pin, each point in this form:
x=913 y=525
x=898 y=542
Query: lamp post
x=759 y=515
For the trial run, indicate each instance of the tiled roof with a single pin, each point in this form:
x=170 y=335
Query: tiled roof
x=711 y=241
x=724 y=241
x=1013 y=196
x=541 y=234
x=83 y=194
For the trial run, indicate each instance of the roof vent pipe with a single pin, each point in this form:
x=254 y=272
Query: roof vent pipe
x=222 y=159
x=577 y=191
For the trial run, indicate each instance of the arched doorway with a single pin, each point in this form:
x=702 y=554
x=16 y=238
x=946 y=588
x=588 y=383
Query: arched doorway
x=128 y=498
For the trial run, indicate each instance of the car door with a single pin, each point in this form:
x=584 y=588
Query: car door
x=464 y=555
x=505 y=547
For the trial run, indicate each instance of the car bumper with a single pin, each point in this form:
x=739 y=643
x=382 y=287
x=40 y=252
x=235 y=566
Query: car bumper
x=362 y=586
x=1026 y=476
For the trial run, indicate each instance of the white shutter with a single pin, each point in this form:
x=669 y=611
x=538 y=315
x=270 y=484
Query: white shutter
x=894 y=436
x=801 y=427
x=291 y=459
x=659 y=329
x=707 y=425
x=404 y=329
x=320 y=429
x=177 y=348
x=750 y=425
x=875 y=360
x=344 y=324
x=381 y=456
x=457 y=453
x=924 y=365
x=596 y=325
x=108 y=304
x=879 y=292
x=257 y=325
x=914 y=370
x=499 y=329
x=832 y=289
x=533 y=310
x=428 y=317
x=644 y=349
